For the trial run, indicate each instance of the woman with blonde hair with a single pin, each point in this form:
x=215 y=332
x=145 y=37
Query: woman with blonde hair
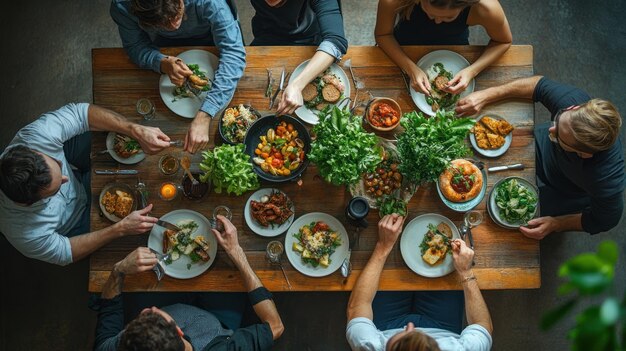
x=440 y=22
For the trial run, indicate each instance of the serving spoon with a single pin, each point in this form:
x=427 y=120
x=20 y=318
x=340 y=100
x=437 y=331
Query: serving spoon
x=185 y=162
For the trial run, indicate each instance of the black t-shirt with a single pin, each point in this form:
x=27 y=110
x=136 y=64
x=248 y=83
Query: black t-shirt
x=256 y=337
x=600 y=178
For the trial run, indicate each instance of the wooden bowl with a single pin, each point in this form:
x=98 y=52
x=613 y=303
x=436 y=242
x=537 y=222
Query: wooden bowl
x=372 y=106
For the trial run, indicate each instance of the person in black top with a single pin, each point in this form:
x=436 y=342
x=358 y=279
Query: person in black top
x=579 y=157
x=301 y=22
x=181 y=326
x=440 y=22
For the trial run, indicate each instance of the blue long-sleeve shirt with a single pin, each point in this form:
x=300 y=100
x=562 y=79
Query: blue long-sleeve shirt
x=204 y=19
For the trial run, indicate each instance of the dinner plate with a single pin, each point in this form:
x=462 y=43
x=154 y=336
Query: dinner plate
x=310 y=115
x=494 y=212
x=452 y=62
x=270 y=231
x=188 y=107
x=412 y=237
x=136 y=158
x=112 y=187
x=178 y=269
x=337 y=257
x=467 y=205
x=495 y=152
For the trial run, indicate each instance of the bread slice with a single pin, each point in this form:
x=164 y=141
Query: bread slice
x=491 y=123
x=504 y=128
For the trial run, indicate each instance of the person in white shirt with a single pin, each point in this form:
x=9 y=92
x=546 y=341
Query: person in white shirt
x=424 y=320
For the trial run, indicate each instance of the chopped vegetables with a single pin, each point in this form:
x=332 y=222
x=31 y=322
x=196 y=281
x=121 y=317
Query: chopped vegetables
x=516 y=204
x=280 y=151
x=384 y=115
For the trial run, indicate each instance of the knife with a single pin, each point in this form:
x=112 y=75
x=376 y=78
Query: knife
x=167 y=225
x=280 y=87
x=116 y=171
x=504 y=168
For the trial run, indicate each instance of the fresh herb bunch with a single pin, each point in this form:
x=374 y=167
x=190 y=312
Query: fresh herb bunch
x=429 y=144
x=343 y=150
x=390 y=204
x=516 y=203
x=229 y=167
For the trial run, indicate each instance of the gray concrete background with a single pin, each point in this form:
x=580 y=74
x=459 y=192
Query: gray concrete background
x=46 y=62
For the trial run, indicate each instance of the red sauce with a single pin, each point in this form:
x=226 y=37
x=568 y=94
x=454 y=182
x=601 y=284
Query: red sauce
x=461 y=183
x=384 y=115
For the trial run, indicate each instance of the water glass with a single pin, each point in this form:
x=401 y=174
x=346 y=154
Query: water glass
x=146 y=108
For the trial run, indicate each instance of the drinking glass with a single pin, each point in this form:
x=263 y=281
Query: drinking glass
x=146 y=108
x=473 y=218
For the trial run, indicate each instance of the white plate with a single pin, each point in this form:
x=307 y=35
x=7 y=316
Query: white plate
x=452 y=62
x=188 y=107
x=136 y=158
x=412 y=237
x=493 y=210
x=337 y=257
x=178 y=269
x=310 y=115
x=255 y=226
x=495 y=152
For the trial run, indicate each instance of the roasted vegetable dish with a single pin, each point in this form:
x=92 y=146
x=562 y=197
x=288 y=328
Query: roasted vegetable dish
x=316 y=242
x=280 y=151
x=436 y=243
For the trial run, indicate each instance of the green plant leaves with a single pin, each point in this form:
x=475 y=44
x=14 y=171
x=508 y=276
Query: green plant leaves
x=608 y=251
x=552 y=317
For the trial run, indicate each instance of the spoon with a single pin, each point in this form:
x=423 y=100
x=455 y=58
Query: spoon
x=185 y=162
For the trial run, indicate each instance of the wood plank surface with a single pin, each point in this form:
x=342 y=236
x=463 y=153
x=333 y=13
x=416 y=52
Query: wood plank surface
x=505 y=259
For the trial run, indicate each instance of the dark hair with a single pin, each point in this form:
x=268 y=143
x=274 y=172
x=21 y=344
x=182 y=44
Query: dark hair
x=416 y=341
x=150 y=332
x=155 y=13
x=23 y=175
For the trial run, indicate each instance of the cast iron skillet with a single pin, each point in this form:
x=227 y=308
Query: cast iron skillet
x=260 y=127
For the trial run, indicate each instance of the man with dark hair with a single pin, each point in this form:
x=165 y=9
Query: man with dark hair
x=146 y=25
x=178 y=327
x=45 y=184
x=409 y=321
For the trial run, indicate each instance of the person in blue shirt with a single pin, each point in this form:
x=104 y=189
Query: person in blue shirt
x=579 y=155
x=301 y=22
x=146 y=25
x=440 y=22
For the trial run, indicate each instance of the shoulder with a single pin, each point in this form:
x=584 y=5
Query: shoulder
x=486 y=12
x=565 y=95
x=254 y=337
x=120 y=7
x=389 y=5
x=362 y=334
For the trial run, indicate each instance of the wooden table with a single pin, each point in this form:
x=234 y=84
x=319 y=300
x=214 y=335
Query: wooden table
x=505 y=259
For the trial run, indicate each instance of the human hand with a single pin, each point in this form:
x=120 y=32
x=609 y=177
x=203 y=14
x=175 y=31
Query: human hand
x=137 y=222
x=151 y=139
x=176 y=69
x=419 y=80
x=539 y=228
x=228 y=237
x=140 y=260
x=290 y=100
x=389 y=228
x=462 y=256
x=460 y=81
x=197 y=137
x=472 y=103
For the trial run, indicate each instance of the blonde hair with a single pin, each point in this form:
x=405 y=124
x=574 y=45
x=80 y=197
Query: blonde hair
x=406 y=6
x=596 y=124
x=415 y=341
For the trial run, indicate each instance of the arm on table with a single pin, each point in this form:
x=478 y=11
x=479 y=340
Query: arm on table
x=523 y=88
x=266 y=309
x=364 y=291
x=135 y=223
x=475 y=307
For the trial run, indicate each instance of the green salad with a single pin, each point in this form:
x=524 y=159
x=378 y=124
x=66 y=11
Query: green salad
x=516 y=203
x=390 y=204
x=229 y=167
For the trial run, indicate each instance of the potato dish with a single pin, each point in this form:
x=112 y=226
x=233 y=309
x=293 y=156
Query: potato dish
x=184 y=243
x=436 y=243
x=118 y=203
x=316 y=242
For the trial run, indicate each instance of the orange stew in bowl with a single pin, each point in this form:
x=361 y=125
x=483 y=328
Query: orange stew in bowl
x=384 y=115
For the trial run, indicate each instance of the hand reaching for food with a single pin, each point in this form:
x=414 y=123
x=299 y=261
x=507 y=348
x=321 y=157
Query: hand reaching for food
x=460 y=81
x=462 y=257
x=137 y=222
x=290 y=100
x=151 y=139
x=197 y=137
x=228 y=237
x=389 y=228
x=472 y=104
x=419 y=80
x=176 y=69
x=539 y=228
x=140 y=260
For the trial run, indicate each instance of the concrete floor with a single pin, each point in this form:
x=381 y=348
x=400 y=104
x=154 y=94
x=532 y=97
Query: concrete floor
x=46 y=63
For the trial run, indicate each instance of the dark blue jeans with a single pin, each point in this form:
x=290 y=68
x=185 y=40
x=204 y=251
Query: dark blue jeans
x=426 y=309
x=227 y=307
x=77 y=151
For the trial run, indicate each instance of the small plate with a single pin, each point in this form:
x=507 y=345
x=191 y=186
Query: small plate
x=188 y=107
x=452 y=62
x=467 y=205
x=112 y=187
x=493 y=210
x=337 y=257
x=412 y=237
x=259 y=229
x=310 y=115
x=178 y=269
x=136 y=158
x=495 y=152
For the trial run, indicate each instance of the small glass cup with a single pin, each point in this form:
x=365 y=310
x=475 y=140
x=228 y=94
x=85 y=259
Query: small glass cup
x=169 y=164
x=274 y=251
x=220 y=210
x=168 y=191
x=473 y=218
x=146 y=108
